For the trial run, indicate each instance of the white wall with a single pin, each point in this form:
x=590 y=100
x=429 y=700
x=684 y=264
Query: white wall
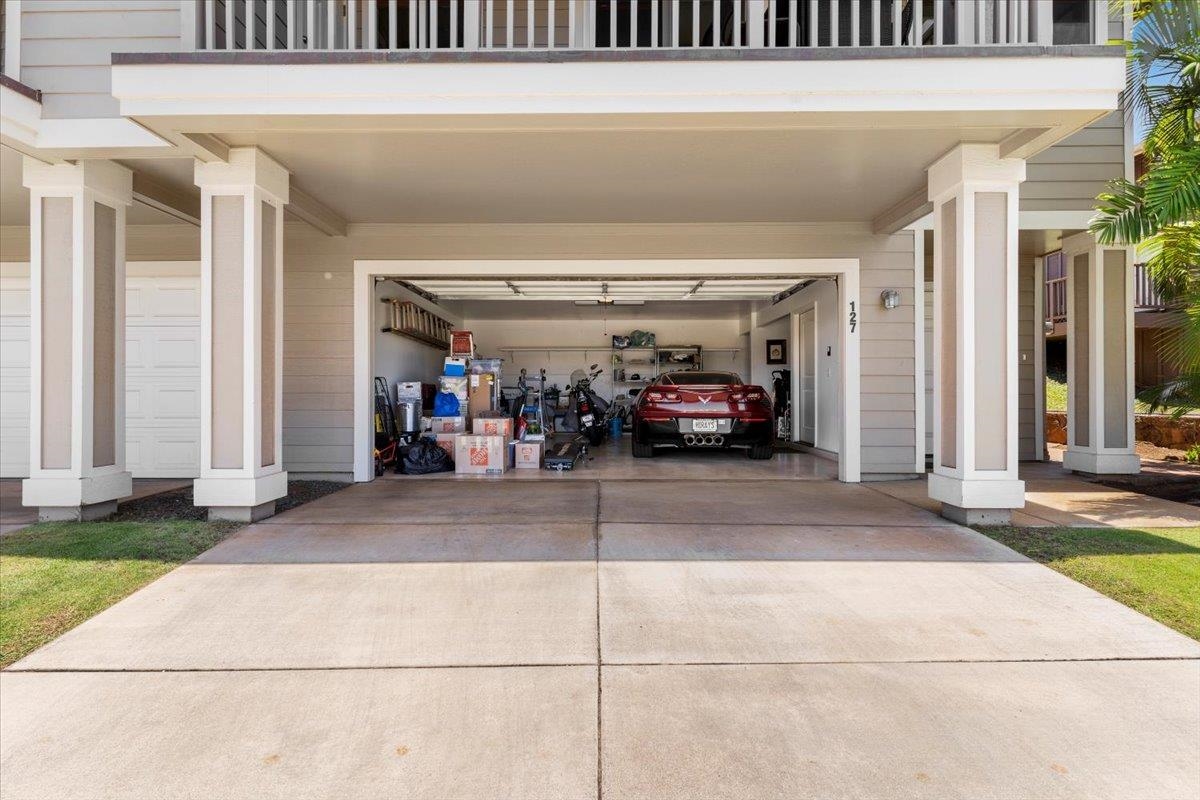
x=399 y=358
x=760 y=370
x=822 y=295
x=563 y=324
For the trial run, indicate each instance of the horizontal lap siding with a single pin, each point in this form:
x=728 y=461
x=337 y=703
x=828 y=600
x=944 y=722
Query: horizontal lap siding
x=318 y=313
x=1068 y=176
x=67 y=47
x=318 y=344
x=1027 y=317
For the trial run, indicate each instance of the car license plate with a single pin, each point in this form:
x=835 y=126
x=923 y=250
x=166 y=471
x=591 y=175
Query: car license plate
x=704 y=426
x=586 y=419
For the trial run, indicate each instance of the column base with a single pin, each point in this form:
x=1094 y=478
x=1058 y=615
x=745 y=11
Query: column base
x=977 y=516
x=240 y=499
x=241 y=513
x=1092 y=463
x=68 y=493
x=83 y=513
x=977 y=501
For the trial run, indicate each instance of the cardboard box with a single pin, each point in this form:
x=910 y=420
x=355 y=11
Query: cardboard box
x=455 y=366
x=449 y=425
x=446 y=442
x=493 y=426
x=462 y=343
x=409 y=390
x=480 y=455
x=528 y=455
x=481 y=393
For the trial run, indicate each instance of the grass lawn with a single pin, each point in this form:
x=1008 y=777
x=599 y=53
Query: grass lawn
x=54 y=576
x=1155 y=571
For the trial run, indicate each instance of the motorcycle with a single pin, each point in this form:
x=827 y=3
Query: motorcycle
x=587 y=410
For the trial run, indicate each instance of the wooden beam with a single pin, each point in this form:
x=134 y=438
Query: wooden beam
x=179 y=204
x=903 y=213
x=307 y=208
x=205 y=146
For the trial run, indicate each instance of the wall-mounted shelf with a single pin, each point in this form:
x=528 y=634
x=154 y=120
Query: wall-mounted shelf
x=419 y=324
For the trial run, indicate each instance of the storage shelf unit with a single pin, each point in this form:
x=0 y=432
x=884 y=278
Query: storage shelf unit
x=694 y=354
x=645 y=365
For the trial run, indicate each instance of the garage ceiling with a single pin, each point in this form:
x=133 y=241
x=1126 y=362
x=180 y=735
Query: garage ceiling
x=604 y=290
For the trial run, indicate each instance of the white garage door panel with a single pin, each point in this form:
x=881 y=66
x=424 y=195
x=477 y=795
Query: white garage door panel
x=162 y=377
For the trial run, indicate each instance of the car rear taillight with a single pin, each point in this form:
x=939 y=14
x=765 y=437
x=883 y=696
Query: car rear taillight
x=748 y=397
x=662 y=397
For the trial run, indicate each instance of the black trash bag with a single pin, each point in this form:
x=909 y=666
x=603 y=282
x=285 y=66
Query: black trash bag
x=425 y=457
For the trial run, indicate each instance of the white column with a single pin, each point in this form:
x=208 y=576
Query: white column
x=1100 y=431
x=77 y=338
x=241 y=332
x=974 y=192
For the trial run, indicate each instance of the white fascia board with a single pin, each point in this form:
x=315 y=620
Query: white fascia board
x=1073 y=220
x=20 y=119
x=23 y=128
x=313 y=90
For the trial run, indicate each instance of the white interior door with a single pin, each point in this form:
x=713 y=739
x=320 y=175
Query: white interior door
x=808 y=376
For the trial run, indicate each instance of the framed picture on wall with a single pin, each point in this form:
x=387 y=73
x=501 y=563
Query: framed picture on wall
x=777 y=351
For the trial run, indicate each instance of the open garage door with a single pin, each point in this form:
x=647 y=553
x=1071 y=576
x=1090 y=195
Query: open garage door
x=634 y=324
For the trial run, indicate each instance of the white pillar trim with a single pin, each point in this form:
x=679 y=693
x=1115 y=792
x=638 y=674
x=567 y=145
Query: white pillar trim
x=256 y=178
x=1097 y=457
x=959 y=176
x=86 y=184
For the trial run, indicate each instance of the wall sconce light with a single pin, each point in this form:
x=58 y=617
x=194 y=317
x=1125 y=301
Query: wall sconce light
x=890 y=298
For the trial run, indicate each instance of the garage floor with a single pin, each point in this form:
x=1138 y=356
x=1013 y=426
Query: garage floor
x=614 y=460
x=607 y=637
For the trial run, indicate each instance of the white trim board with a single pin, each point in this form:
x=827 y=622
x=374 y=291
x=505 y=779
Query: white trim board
x=845 y=270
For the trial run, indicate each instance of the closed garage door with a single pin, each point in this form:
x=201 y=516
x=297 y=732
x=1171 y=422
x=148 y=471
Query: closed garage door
x=162 y=379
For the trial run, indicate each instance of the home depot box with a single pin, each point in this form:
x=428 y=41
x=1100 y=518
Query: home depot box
x=481 y=393
x=493 y=426
x=480 y=455
x=446 y=442
x=449 y=425
x=528 y=455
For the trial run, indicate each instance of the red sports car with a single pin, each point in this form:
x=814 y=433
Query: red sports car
x=703 y=410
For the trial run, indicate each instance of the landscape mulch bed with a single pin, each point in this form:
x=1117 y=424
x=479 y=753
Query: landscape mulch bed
x=176 y=504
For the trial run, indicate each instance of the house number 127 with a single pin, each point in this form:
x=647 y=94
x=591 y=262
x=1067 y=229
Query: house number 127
x=853 y=317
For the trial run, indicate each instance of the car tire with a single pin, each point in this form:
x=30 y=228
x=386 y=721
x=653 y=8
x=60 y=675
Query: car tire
x=761 y=452
x=641 y=450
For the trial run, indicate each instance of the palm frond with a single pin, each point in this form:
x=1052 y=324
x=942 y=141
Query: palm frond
x=1172 y=258
x=1172 y=187
x=1177 y=397
x=1124 y=215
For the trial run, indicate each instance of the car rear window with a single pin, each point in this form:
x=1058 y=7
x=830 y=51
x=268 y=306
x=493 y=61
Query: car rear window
x=701 y=379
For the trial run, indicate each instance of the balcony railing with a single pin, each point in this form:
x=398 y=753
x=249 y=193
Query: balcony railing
x=1145 y=295
x=408 y=25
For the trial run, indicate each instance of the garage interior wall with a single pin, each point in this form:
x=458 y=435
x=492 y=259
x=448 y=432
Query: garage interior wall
x=397 y=358
x=318 y=344
x=524 y=323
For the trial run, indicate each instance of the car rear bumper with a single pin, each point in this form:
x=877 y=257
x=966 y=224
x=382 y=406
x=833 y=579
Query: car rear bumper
x=742 y=433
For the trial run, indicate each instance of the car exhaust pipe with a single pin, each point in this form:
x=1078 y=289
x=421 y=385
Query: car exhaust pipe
x=717 y=441
x=689 y=439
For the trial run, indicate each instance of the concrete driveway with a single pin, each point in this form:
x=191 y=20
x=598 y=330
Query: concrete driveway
x=582 y=638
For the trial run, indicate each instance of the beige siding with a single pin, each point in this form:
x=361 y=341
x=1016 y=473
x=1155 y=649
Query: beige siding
x=318 y=312
x=1068 y=176
x=318 y=346
x=1027 y=318
x=67 y=45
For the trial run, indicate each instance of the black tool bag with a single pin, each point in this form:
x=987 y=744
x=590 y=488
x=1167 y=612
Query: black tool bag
x=425 y=457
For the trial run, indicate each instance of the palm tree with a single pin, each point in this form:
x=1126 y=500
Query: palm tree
x=1160 y=212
